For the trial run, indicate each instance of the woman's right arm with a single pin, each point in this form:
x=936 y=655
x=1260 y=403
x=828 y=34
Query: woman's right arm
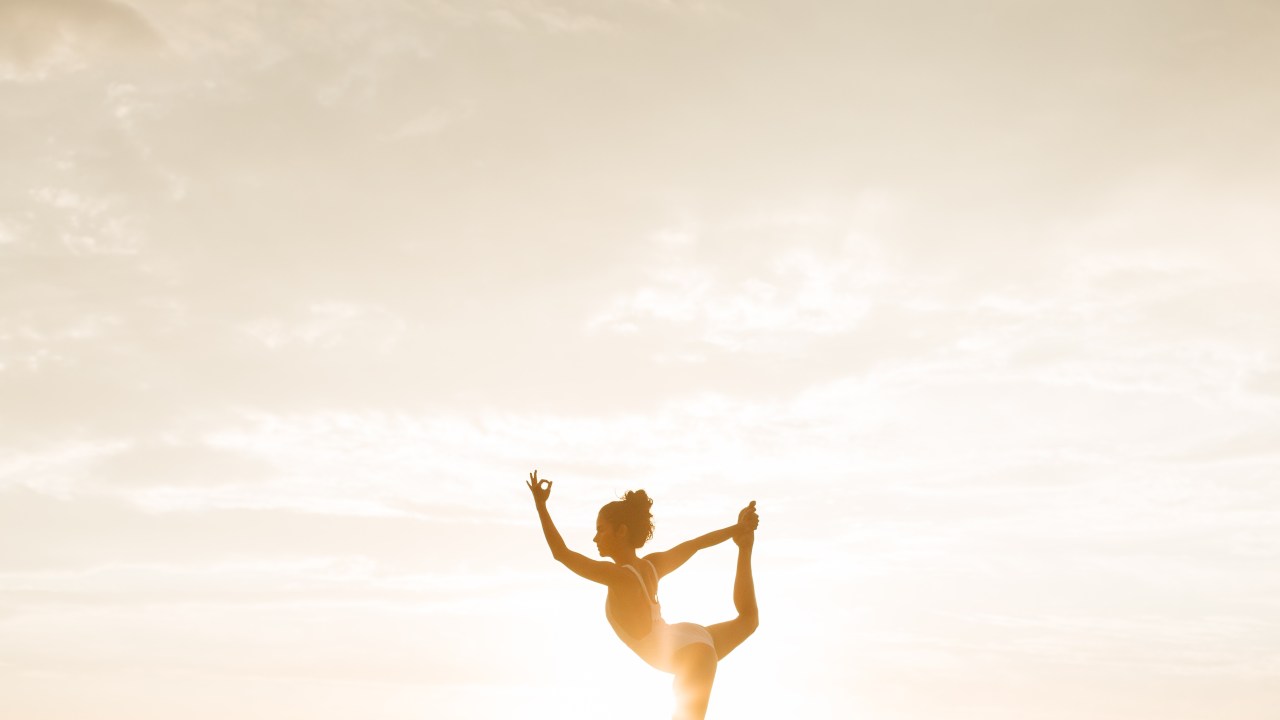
x=604 y=573
x=667 y=561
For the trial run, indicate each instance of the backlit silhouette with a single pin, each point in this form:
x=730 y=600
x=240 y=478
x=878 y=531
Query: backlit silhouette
x=690 y=652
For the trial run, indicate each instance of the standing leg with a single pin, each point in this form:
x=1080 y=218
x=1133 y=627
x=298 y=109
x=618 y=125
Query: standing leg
x=695 y=671
x=729 y=635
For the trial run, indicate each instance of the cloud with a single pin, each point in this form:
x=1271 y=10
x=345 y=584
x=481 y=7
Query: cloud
x=1220 y=645
x=177 y=463
x=434 y=121
x=99 y=569
x=317 y=580
x=329 y=325
x=88 y=225
x=372 y=640
x=88 y=530
x=768 y=285
x=40 y=39
x=546 y=17
x=53 y=468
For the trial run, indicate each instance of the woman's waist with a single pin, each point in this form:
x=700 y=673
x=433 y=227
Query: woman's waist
x=635 y=626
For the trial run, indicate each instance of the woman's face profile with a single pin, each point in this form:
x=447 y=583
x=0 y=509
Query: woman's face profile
x=606 y=536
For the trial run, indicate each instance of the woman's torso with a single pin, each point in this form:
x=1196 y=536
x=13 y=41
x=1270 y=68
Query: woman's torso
x=633 y=606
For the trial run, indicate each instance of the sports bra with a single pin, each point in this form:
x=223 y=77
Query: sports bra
x=655 y=610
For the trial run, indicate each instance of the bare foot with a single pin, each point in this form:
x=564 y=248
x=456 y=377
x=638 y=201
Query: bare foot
x=748 y=521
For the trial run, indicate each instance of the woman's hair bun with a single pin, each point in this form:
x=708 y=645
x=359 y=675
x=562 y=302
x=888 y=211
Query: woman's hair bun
x=639 y=497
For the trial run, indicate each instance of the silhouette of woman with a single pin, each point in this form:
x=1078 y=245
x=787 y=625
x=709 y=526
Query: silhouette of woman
x=688 y=651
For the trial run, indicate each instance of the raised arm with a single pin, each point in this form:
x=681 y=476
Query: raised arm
x=605 y=573
x=667 y=561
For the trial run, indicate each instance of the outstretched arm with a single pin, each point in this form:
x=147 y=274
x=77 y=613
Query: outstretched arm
x=667 y=561
x=604 y=573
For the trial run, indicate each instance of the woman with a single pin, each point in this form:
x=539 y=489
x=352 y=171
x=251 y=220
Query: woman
x=688 y=651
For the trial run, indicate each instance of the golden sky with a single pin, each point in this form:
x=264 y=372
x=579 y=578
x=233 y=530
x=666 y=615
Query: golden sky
x=975 y=299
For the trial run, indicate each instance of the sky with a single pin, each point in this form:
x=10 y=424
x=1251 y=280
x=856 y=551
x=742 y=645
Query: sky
x=975 y=300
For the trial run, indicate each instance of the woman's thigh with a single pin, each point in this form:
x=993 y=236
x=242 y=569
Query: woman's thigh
x=729 y=635
x=695 y=671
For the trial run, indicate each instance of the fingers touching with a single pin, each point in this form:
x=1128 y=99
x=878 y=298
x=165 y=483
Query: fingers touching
x=541 y=489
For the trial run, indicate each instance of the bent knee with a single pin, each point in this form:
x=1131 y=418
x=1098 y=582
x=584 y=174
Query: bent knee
x=750 y=622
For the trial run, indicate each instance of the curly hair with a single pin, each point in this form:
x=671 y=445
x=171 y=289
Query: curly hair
x=633 y=511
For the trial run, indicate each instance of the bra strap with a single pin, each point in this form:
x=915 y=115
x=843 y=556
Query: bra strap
x=643 y=586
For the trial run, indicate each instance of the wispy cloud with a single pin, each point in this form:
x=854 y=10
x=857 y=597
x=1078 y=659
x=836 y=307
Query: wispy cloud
x=794 y=279
x=42 y=39
x=330 y=324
